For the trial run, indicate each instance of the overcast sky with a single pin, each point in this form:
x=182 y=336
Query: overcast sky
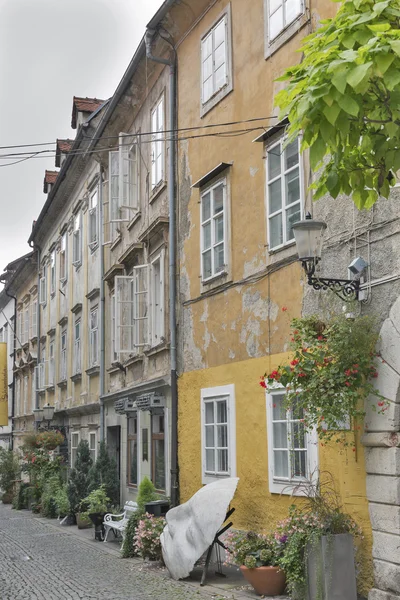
x=51 y=50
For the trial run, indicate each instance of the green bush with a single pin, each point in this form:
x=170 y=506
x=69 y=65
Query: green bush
x=146 y=493
x=48 y=501
x=9 y=471
x=62 y=502
x=105 y=473
x=128 y=546
x=78 y=484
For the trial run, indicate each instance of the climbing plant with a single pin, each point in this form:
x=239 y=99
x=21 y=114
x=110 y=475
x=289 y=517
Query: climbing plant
x=344 y=99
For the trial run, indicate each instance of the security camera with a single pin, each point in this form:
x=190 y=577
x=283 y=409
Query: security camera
x=357 y=266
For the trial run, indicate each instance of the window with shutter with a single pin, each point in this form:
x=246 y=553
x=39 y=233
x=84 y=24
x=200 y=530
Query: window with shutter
x=77 y=241
x=43 y=287
x=77 y=347
x=33 y=323
x=51 y=365
x=128 y=176
x=213 y=230
x=63 y=356
x=157 y=143
x=157 y=299
x=63 y=258
x=25 y=334
x=93 y=220
x=94 y=338
x=53 y=273
x=132 y=327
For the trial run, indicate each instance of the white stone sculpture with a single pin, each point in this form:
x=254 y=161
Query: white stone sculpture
x=191 y=527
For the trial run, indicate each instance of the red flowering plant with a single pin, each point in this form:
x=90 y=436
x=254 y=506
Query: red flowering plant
x=333 y=366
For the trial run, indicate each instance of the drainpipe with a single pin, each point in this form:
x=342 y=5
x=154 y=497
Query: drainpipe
x=172 y=264
x=37 y=316
x=14 y=356
x=102 y=307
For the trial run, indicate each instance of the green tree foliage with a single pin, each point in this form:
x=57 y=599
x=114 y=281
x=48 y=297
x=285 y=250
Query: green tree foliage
x=146 y=493
x=105 y=472
x=9 y=470
x=78 y=484
x=344 y=97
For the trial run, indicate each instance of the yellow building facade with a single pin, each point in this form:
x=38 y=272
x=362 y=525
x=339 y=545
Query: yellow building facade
x=239 y=280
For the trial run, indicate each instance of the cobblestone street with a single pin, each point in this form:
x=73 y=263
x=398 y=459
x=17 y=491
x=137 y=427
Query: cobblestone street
x=42 y=562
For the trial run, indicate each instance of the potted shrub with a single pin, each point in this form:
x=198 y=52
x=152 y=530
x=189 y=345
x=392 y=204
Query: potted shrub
x=96 y=504
x=146 y=493
x=78 y=483
x=258 y=557
x=105 y=473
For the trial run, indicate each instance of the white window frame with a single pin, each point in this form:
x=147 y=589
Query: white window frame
x=18 y=396
x=40 y=371
x=157 y=120
x=130 y=284
x=94 y=337
x=77 y=241
x=51 y=364
x=289 y=27
x=33 y=319
x=157 y=299
x=25 y=393
x=129 y=165
x=53 y=272
x=93 y=451
x=63 y=355
x=77 y=348
x=208 y=103
x=281 y=485
x=114 y=355
x=75 y=437
x=279 y=143
x=25 y=332
x=210 y=190
x=43 y=287
x=63 y=258
x=223 y=392
x=94 y=219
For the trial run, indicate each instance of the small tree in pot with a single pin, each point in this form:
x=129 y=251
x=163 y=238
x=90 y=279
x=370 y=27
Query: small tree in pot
x=78 y=484
x=105 y=473
x=96 y=505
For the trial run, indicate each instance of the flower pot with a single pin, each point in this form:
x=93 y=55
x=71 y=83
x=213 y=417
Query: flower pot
x=266 y=581
x=97 y=520
x=83 y=522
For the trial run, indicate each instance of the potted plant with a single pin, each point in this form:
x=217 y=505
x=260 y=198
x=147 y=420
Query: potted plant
x=105 y=473
x=258 y=557
x=96 y=505
x=319 y=551
x=78 y=483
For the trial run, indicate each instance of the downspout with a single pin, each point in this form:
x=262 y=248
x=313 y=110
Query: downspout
x=102 y=307
x=37 y=318
x=14 y=356
x=172 y=264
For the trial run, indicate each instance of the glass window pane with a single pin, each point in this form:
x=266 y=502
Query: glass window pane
x=219 y=56
x=273 y=5
x=278 y=408
x=292 y=182
x=280 y=435
x=222 y=436
x=207 y=272
x=210 y=460
x=281 y=463
x=274 y=162
x=210 y=436
x=292 y=9
x=218 y=198
x=207 y=68
x=159 y=464
x=208 y=89
x=275 y=196
x=222 y=460
x=276 y=23
x=222 y=415
x=205 y=207
x=275 y=231
x=133 y=462
x=292 y=154
x=292 y=216
x=220 y=77
x=219 y=229
x=297 y=410
x=207 y=236
x=299 y=464
x=219 y=258
x=298 y=435
x=219 y=33
x=207 y=46
x=209 y=412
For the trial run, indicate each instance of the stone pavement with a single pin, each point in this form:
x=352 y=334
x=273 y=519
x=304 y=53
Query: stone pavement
x=40 y=560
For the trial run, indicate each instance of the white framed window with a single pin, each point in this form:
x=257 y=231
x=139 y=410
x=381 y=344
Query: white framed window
x=20 y=328
x=93 y=445
x=157 y=143
x=53 y=273
x=281 y=13
x=157 y=299
x=213 y=230
x=25 y=331
x=33 y=320
x=93 y=338
x=51 y=366
x=43 y=287
x=25 y=393
x=93 y=220
x=63 y=257
x=63 y=355
x=77 y=241
x=129 y=164
x=218 y=433
x=284 y=192
x=18 y=396
x=74 y=446
x=114 y=355
x=292 y=452
x=77 y=346
x=40 y=371
x=132 y=309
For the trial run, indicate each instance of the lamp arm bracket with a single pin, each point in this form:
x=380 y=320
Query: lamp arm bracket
x=345 y=289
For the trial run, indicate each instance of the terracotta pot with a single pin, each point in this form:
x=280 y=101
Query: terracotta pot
x=266 y=581
x=83 y=522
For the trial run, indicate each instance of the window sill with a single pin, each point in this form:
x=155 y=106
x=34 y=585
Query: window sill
x=62 y=383
x=133 y=360
x=113 y=370
x=134 y=220
x=156 y=349
x=215 y=281
x=95 y=370
x=33 y=339
x=115 y=243
x=50 y=388
x=156 y=191
x=52 y=295
x=77 y=265
x=76 y=377
x=290 y=244
x=93 y=247
x=216 y=98
x=211 y=478
x=25 y=346
x=285 y=35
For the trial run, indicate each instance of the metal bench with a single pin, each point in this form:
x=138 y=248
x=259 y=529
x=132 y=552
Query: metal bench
x=118 y=523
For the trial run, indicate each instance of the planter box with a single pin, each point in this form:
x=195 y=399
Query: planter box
x=331 y=572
